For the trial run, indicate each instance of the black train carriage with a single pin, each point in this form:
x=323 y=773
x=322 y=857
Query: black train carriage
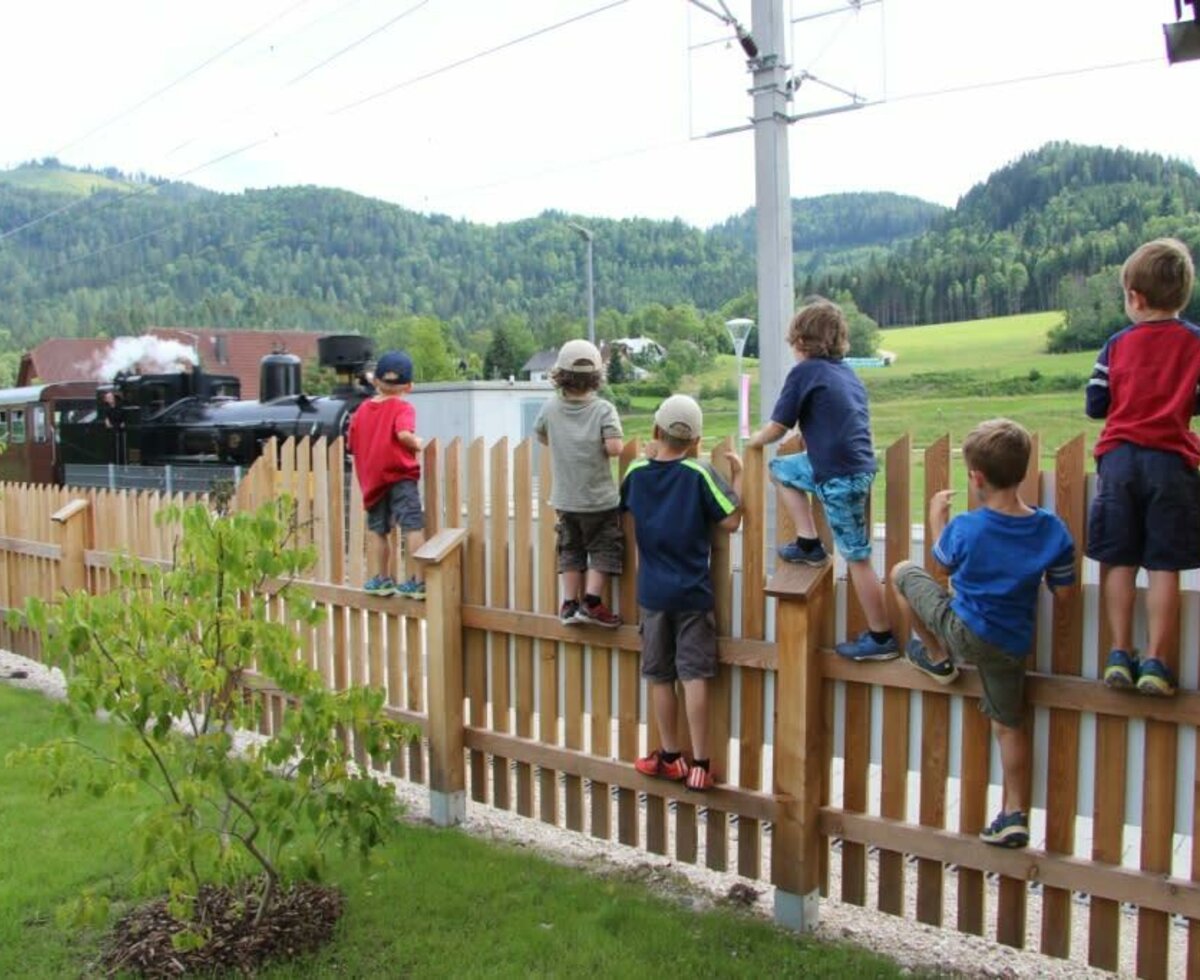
x=186 y=429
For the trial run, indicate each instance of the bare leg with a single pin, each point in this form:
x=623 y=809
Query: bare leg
x=1014 y=761
x=595 y=582
x=379 y=554
x=1119 y=593
x=870 y=594
x=666 y=709
x=572 y=584
x=695 y=696
x=1162 y=609
x=799 y=508
x=414 y=540
x=937 y=653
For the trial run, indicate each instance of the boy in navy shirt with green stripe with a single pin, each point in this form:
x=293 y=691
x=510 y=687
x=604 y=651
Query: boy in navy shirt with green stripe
x=675 y=501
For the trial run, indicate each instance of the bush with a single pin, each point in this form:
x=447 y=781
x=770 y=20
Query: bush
x=176 y=648
x=727 y=390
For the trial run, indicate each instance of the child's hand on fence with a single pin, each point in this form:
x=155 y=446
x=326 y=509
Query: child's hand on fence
x=734 y=461
x=650 y=450
x=939 y=509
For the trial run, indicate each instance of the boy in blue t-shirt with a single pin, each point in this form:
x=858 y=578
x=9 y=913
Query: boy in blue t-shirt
x=997 y=556
x=675 y=502
x=826 y=399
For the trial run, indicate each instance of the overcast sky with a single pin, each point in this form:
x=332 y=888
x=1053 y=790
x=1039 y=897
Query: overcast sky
x=604 y=116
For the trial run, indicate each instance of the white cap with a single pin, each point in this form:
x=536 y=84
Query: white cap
x=579 y=355
x=680 y=417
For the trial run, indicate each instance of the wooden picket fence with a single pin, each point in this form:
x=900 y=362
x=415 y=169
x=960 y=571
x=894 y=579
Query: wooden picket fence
x=824 y=763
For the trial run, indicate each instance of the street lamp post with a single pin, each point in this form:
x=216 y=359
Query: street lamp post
x=739 y=329
x=587 y=236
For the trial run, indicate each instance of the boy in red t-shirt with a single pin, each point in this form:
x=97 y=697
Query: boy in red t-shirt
x=385 y=448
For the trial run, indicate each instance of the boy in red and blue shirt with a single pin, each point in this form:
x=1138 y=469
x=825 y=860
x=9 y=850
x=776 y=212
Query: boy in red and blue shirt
x=1146 y=386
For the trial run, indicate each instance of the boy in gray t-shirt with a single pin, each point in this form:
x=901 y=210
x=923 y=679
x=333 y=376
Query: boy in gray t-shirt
x=583 y=431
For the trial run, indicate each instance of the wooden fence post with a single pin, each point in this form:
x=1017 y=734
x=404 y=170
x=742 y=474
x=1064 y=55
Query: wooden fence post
x=72 y=521
x=804 y=597
x=442 y=557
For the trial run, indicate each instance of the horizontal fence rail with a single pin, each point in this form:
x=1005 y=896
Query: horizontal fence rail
x=865 y=776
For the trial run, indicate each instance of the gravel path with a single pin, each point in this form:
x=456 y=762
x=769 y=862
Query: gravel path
x=911 y=944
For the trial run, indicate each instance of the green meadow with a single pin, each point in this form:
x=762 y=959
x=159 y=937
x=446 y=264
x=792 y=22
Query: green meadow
x=944 y=379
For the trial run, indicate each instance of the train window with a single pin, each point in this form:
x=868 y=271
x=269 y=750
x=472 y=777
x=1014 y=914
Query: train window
x=16 y=426
x=3 y=425
x=39 y=423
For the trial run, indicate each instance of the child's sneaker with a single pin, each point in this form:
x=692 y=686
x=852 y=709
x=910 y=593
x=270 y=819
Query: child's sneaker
x=1121 y=670
x=653 y=765
x=380 y=585
x=1154 y=677
x=866 y=647
x=597 y=615
x=699 y=778
x=1007 y=830
x=796 y=554
x=917 y=654
x=568 y=612
x=412 y=589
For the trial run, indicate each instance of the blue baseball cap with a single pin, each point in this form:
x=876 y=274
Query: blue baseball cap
x=395 y=367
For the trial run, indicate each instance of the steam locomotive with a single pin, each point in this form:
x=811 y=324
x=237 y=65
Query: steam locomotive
x=175 y=431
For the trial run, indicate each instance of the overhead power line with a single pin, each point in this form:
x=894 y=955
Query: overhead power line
x=228 y=155
x=181 y=79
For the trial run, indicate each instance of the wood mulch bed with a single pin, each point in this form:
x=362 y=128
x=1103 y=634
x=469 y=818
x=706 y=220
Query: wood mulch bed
x=301 y=920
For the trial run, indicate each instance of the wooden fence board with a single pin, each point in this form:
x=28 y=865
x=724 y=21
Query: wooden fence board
x=894 y=774
x=547 y=602
x=716 y=843
x=1062 y=777
x=754 y=489
x=628 y=674
x=474 y=584
x=498 y=562
x=523 y=564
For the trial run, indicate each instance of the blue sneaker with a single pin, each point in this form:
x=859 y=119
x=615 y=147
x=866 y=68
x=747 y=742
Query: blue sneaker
x=867 y=647
x=380 y=585
x=797 y=555
x=412 y=589
x=1007 y=830
x=1121 y=670
x=944 y=672
x=1154 y=677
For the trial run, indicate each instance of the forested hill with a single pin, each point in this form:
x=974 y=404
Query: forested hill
x=106 y=252
x=134 y=252
x=1060 y=212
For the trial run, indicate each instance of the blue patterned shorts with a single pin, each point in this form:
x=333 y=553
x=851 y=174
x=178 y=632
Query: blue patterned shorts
x=843 y=497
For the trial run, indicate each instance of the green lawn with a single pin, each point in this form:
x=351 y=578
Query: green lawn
x=434 y=903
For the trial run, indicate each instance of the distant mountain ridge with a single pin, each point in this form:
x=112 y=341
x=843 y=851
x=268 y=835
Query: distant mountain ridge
x=140 y=251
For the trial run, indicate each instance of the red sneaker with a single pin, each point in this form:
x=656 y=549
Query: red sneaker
x=653 y=765
x=597 y=615
x=700 y=779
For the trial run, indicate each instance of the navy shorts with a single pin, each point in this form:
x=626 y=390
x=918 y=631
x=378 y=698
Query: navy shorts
x=1147 y=510
x=399 y=507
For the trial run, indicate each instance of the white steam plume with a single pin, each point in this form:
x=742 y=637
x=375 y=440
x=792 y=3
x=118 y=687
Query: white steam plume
x=143 y=355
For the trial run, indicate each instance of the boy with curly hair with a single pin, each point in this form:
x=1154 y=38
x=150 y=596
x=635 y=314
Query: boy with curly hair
x=826 y=400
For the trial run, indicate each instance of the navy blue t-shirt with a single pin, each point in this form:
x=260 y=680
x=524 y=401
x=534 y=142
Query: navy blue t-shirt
x=674 y=505
x=829 y=402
